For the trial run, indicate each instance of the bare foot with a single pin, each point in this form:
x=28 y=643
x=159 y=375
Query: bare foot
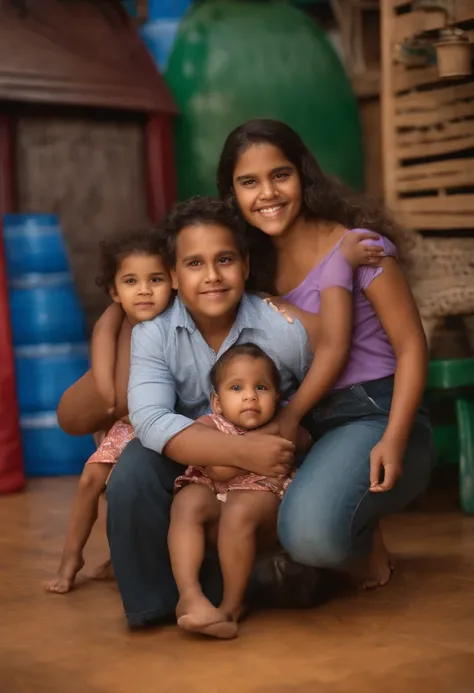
x=105 y=571
x=196 y=614
x=237 y=614
x=67 y=572
x=375 y=570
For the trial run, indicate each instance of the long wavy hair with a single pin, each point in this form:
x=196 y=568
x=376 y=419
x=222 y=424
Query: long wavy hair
x=324 y=197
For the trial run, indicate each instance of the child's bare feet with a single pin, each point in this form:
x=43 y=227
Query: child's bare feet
x=196 y=614
x=105 y=571
x=67 y=572
x=375 y=570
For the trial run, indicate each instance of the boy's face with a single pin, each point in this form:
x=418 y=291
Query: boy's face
x=210 y=272
x=247 y=395
x=142 y=286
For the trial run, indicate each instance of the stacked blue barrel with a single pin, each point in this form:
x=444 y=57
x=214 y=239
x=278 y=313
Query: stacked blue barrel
x=159 y=32
x=49 y=339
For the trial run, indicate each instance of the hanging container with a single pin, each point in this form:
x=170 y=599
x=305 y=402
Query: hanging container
x=44 y=309
x=454 y=54
x=48 y=451
x=33 y=244
x=45 y=371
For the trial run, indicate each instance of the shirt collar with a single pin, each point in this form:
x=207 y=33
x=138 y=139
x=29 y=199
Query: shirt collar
x=181 y=317
x=247 y=316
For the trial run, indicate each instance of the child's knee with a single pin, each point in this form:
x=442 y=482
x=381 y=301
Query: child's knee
x=93 y=478
x=192 y=503
x=243 y=510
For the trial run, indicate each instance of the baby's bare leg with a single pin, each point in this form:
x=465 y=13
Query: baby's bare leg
x=248 y=523
x=83 y=516
x=194 y=510
x=194 y=514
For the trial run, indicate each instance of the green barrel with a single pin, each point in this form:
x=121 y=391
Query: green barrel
x=234 y=60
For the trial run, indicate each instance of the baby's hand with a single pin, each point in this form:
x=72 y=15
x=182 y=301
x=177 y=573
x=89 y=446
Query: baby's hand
x=359 y=248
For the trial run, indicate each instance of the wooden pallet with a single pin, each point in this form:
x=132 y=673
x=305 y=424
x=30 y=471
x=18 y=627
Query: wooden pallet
x=427 y=127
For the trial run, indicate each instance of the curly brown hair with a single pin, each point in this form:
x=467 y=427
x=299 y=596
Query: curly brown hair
x=325 y=197
x=115 y=249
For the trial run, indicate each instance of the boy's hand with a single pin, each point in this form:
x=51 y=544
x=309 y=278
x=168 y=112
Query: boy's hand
x=288 y=425
x=359 y=248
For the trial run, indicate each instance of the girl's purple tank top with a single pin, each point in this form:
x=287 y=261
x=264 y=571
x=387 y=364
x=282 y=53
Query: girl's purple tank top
x=371 y=355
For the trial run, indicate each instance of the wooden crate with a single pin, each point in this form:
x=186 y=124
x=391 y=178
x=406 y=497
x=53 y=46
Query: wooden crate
x=427 y=125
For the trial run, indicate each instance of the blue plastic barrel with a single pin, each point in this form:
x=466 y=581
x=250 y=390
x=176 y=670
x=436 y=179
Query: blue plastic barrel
x=45 y=371
x=159 y=37
x=162 y=9
x=44 y=309
x=33 y=244
x=159 y=33
x=48 y=451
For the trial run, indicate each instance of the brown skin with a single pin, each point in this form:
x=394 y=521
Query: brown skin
x=268 y=190
x=210 y=277
x=83 y=411
x=141 y=291
x=104 y=341
x=265 y=180
x=243 y=525
x=401 y=321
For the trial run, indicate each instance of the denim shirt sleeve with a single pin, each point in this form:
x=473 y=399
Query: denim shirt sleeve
x=288 y=344
x=151 y=390
x=305 y=352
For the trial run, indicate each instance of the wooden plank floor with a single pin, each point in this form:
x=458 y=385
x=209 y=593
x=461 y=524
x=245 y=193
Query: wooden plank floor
x=416 y=635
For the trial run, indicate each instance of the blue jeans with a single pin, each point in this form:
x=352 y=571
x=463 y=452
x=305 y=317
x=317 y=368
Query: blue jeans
x=328 y=514
x=139 y=497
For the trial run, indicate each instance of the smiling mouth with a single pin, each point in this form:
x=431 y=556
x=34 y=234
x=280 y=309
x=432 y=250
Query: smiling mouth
x=214 y=292
x=250 y=411
x=272 y=210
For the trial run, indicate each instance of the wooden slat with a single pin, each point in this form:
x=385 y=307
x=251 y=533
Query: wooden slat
x=412 y=23
x=439 y=182
x=454 y=166
x=433 y=99
x=417 y=151
x=437 y=222
x=405 y=79
x=454 y=111
x=441 y=204
x=448 y=131
x=435 y=175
